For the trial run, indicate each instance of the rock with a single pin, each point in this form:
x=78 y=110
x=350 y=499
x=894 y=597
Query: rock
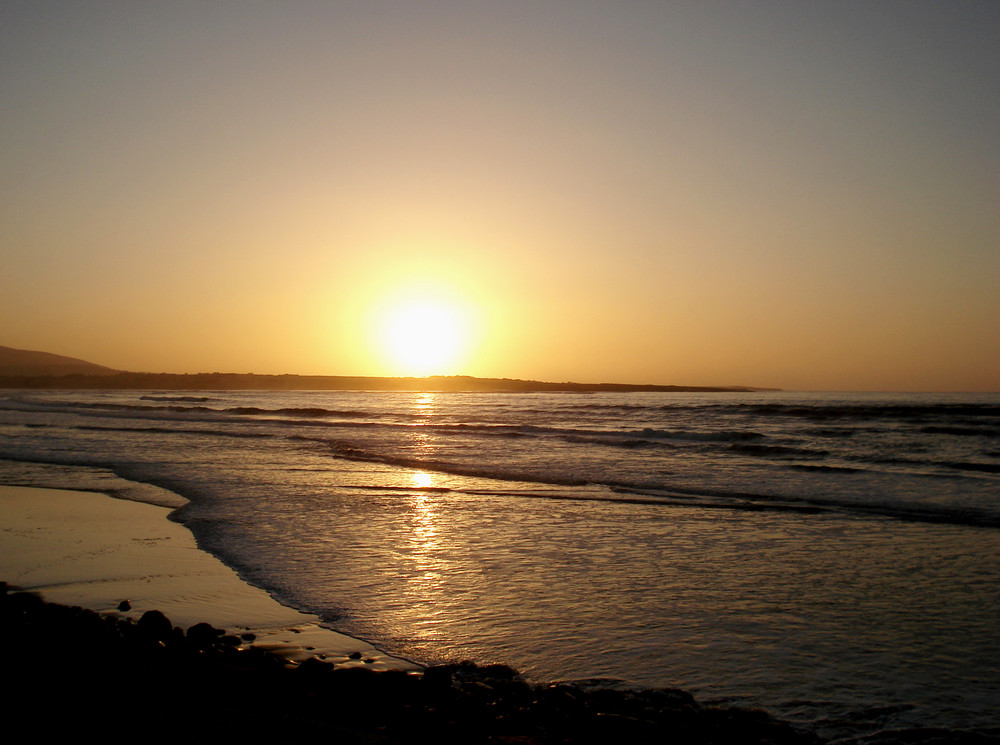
x=500 y=672
x=312 y=666
x=154 y=625
x=203 y=635
x=232 y=694
x=437 y=676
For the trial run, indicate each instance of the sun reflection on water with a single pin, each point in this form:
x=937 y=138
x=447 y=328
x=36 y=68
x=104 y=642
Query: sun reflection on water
x=423 y=406
x=424 y=541
x=425 y=402
x=428 y=563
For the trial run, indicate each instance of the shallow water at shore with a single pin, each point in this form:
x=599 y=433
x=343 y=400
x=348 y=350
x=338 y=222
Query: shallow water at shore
x=850 y=600
x=90 y=550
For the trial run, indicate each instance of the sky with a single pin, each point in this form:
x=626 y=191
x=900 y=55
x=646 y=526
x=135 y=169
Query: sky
x=803 y=195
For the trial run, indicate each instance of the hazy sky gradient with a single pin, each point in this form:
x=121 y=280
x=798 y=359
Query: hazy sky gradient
x=802 y=195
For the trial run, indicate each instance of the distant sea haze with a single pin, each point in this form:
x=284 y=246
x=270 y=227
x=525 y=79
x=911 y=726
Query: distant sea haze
x=833 y=559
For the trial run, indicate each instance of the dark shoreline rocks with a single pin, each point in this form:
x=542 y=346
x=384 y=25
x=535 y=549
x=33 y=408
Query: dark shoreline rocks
x=77 y=671
x=74 y=673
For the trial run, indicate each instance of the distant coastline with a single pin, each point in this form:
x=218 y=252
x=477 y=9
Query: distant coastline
x=21 y=368
x=252 y=382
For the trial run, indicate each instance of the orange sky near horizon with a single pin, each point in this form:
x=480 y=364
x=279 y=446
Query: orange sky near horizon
x=801 y=196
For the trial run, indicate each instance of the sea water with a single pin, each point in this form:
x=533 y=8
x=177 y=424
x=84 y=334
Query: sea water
x=831 y=558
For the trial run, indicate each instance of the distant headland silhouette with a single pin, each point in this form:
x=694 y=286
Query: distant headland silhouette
x=42 y=370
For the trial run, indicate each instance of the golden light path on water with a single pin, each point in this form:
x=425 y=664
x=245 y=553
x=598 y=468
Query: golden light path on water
x=427 y=577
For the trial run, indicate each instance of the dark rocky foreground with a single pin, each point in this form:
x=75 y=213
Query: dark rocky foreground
x=77 y=673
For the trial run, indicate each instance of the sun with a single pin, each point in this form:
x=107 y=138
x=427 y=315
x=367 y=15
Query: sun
x=421 y=335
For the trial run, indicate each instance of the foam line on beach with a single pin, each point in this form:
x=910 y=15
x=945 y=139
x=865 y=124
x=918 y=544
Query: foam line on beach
x=91 y=550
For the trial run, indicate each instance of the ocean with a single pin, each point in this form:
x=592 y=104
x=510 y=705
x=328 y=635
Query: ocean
x=831 y=558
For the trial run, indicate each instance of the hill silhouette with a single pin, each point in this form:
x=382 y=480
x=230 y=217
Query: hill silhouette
x=24 y=369
x=23 y=362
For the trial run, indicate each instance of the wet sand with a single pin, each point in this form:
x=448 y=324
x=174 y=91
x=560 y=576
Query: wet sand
x=85 y=667
x=91 y=550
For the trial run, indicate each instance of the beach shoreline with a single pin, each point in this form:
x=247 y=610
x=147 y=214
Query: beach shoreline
x=97 y=594
x=247 y=666
x=80 y=672
x=392 y=518
x=95 y=551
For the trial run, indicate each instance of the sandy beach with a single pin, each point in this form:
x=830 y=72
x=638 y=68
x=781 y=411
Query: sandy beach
x=86 y=663
x=88 y=549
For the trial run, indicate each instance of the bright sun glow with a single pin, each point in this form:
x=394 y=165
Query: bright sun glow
x=423 y=336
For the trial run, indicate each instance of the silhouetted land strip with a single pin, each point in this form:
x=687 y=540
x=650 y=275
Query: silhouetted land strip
x=78 y=672
x=31 y=363
x=250 y=382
